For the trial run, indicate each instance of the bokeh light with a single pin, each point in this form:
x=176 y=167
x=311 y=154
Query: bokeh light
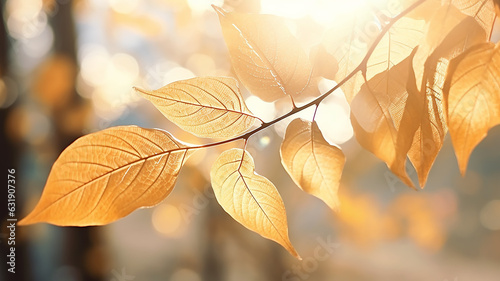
x=167 y=220
x=490 y=215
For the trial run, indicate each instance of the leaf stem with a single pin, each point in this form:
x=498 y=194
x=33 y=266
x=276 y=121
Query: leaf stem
x=361 y=67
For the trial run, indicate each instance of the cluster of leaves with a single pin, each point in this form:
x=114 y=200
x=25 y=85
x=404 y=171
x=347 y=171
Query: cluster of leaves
x=429 y=70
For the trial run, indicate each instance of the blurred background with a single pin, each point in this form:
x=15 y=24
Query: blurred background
x=67 y=68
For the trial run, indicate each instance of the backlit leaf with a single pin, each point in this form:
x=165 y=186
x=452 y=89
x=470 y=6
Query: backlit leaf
x=313 y=164
x=205 y=107
x=249 y=198
x=396 y=45
x=104 y=176
x=266 y=57
x=472 y=98
x=382 y=115
x=430 y=64
x=483 y=11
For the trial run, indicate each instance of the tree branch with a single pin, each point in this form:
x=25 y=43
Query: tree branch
x=361 y=67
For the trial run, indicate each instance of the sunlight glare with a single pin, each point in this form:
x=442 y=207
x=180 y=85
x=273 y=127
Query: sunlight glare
x=322 y=11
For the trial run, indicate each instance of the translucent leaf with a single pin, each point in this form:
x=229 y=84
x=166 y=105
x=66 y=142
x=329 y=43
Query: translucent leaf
x=249 y=198
x=430 y=65
x=104 y=176
x=483 y=11
x=205 y=107
x=396 y=45
x=448 y=33
x=383 y=117
x=266 y=57
x=472 y=99
x=313 y=164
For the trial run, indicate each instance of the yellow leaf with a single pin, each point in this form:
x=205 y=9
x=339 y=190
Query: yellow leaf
x=249 y=198
x=430 y=64
x=205 y=107
x=266 y=57
x=314 y=164
x=483 y=11
x=396 y=45
x=382 y=115
x=448 y=33
x=472 y=99
x=104 y=176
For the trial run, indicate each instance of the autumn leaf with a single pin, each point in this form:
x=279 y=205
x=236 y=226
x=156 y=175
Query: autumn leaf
x=483 y=11
x=472 y=99
x=382 y=116
x=104 y=176
x=313 y=164
x=430 y=65
x=396 y=45
x=266 y=57
x=448 y=33
x=249 y=198
x=205 y=107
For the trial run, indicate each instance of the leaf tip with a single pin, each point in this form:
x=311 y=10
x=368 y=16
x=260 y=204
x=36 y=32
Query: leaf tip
x=23 y=222
x=463 y=168
x=27 y=220
x=219 y=10
x=137 y=89
x=293 y=252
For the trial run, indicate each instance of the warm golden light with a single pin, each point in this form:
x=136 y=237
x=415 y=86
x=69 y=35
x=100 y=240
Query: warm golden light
x=322 y=11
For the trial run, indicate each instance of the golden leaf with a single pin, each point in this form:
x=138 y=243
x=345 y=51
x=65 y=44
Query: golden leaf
x=249 y=198
x=430 y=65
x=266 y=57
x=395 y=46
x=314 y=164
x=205 y=107
x=382 y=116
x=483 y=11
x=448 y=33
x=472 y=100
x=104 y=176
